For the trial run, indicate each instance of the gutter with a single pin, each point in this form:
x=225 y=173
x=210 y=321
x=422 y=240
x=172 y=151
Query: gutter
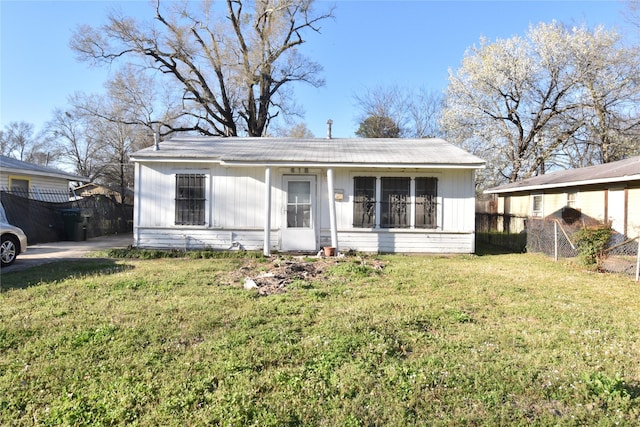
x=284 y=163
x=626 y=178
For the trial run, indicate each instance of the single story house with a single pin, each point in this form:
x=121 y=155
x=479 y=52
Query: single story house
x=290 y=195
x=37 y=182
x=607 y=193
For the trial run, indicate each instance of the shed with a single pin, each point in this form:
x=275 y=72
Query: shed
x=608 y=193
x=284 y=194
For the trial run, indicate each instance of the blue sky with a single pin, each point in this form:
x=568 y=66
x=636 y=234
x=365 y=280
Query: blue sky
x=370 y=43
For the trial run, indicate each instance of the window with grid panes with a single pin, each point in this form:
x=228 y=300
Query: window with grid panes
x=190 y=199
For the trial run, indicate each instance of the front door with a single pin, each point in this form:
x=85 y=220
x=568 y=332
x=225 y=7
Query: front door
x=299 y=230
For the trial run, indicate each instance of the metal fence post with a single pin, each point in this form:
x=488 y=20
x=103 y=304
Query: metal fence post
x=638 y=263
x=555 y=241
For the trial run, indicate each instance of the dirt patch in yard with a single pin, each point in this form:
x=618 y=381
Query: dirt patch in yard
x=274 y=277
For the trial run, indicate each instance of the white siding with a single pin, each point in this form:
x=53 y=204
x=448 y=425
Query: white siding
x=200 y=238
x=238 y=197
x=235 y=209
x=405 y=241
x=36 y=182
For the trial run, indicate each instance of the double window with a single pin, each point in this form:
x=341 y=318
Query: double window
x=190 y=199
x=403 y=202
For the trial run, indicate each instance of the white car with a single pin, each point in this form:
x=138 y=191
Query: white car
x=14 y=243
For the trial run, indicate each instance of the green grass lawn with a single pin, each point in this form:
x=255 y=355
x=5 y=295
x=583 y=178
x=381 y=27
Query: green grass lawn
x=508 y=339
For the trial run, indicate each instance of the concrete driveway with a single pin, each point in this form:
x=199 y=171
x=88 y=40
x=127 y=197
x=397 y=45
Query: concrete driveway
x=43 y=253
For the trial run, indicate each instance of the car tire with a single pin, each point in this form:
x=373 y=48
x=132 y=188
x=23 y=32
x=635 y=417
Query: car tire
x=8 y=250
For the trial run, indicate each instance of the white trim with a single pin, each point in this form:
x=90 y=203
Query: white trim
x=323 y=165
x=332 y=209
x=266 y=249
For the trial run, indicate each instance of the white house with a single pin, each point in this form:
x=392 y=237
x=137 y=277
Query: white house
x=370 y=195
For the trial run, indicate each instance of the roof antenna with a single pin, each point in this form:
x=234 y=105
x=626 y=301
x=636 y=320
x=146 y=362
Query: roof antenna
x=329 y=123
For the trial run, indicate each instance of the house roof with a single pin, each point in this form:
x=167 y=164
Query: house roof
x=614 y=172
x=11 y=165
x=379 y=152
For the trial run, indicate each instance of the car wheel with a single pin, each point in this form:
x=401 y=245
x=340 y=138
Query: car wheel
x=8 y=250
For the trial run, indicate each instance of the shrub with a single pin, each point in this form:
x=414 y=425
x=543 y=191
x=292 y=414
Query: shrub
x=591 y=243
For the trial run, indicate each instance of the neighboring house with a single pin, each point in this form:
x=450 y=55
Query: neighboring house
x=372 y=195
x=93 y=189
x=35 y=181
x=607 y=193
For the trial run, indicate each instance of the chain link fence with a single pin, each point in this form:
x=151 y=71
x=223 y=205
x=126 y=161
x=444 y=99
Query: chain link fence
x=555 y=238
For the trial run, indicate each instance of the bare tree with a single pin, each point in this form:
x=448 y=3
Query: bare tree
x=382 y=108
x=231 y=65
x=70 y=133
x=424 y=112
x=297 y=130
x=19 y=141
x=118 y=141
x=415 y=113
x=97 y=138
x=141 y=102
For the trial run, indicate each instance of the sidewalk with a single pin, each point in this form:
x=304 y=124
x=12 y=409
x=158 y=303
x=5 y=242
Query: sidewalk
x=43 y=253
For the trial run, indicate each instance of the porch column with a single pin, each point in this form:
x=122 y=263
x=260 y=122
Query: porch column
x=267 y=211
x=332 y=209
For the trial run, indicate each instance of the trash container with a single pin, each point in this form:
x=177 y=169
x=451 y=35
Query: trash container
x=75 y=225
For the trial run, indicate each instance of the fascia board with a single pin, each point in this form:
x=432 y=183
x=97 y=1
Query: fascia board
x=284 y=163
x=565 y=184
x=25 y=172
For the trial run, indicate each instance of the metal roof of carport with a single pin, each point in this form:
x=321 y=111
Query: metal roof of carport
x=369 y=152
x=614 y=172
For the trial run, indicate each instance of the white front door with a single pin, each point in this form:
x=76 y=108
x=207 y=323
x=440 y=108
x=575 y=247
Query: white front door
x=299 y=222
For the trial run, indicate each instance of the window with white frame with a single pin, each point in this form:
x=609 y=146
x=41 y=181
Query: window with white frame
x=404 y=202
x=536 y=205
x=572 y=199
x=190 y=199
